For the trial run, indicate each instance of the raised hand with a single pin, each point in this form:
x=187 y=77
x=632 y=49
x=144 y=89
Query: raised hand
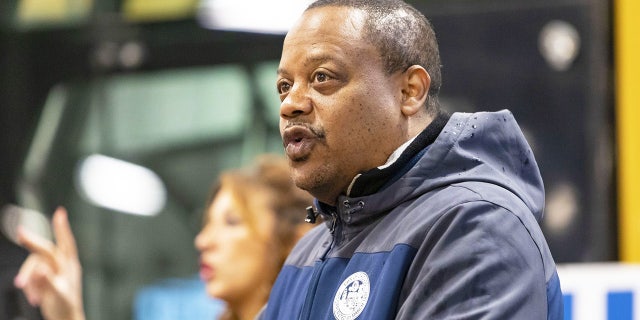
x=51 y=277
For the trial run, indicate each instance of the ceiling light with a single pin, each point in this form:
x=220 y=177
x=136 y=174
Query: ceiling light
x=259 y=16
x=119 y=185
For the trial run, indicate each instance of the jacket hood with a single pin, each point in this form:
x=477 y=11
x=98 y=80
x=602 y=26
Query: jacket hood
x=486 y=147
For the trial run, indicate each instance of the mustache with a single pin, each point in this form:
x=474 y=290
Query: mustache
x=317 y=131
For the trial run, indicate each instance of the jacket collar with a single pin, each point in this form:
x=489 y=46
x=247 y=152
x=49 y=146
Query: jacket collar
x=371 y=181
x=374 y=180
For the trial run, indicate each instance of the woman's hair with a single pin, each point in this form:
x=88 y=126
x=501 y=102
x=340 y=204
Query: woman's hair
x=263 y=188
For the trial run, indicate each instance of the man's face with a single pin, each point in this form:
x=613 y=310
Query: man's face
x=340 y=113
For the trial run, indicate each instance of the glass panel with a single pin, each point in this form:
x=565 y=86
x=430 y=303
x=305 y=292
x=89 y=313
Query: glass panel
x=167 y=109
x=267 y=75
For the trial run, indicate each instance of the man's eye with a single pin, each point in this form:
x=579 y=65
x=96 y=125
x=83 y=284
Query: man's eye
x=321 y=77
x=283 y=87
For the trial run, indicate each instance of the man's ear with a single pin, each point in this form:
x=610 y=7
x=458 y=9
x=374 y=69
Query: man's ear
x=415 y=89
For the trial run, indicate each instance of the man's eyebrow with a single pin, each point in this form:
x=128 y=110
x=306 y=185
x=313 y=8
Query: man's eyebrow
x=318 y=59
x=314 y=60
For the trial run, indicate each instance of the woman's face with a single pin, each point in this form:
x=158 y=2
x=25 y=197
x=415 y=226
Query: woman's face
x=233 y=256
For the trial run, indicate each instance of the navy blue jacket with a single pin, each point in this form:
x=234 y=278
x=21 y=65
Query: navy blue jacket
x=452 y=232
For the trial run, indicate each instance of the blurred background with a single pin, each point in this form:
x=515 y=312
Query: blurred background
x=146 y=101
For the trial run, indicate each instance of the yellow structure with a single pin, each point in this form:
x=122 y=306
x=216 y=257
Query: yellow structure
x=627 y=57
x=155 y=10
x=38 y=12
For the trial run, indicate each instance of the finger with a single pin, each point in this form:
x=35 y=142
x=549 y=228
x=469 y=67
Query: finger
x=41 y=285
x=33 y=295
x=64 y=235
x=24 y=274
x=34 y=279
x=38 y=245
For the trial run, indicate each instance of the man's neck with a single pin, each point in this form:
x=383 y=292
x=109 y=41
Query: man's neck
x=371 y=181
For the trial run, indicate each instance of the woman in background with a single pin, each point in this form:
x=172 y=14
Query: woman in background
x=253 y=218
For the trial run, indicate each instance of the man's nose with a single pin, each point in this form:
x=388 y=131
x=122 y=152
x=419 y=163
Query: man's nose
x=296 y=103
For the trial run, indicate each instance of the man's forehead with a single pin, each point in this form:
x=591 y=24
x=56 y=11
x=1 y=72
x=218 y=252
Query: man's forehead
x=328 y=20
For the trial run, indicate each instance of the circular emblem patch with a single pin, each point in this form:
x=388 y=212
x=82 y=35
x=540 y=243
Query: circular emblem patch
x=351 y=297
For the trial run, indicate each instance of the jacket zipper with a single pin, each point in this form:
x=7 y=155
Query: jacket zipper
x=315 y=277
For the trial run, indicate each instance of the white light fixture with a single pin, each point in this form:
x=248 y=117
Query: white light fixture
x=119 y=185
x=559 y=44
x=259 y=16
